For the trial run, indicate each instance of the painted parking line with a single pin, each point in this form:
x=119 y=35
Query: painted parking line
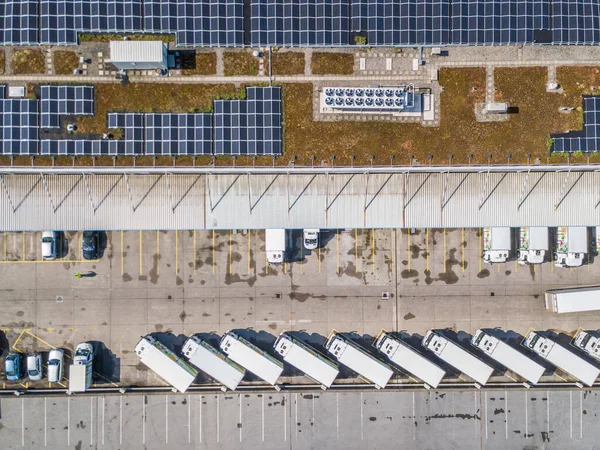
x=213 y=252
x=141 y=254
x=249 y=240
x=444 y=250
x=195 y=252
x=427 y=249
x=337 y=246
x=480 y=246
x=355 y=250
x=230 y=251
x=372 y=250
x=408 y=248
x=176 y=252
x=122 y=255
x=157 y=252
x=462 y=244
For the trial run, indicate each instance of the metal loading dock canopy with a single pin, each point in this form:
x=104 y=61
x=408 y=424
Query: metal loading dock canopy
x=33 y=199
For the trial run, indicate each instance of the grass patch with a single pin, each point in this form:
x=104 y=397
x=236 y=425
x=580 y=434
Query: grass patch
x=166 y=38
x=65 y=62
x=288 y=63
x=199 y=63
x=332 y=63
x=2 y=60
x=148 y=97
x=28 y=61
x=239 y=63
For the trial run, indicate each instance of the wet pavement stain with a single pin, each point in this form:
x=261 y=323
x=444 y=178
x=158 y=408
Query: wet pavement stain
x=483 y=274
x=409 y=316
x=409 y=273
x=127 y=277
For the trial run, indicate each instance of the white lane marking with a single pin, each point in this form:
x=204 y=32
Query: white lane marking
x=296 y=413
x=361 y=417
x=69 y=421
x=200 y=418
x=45 y=422
x=313 y=410
x=526 y=421
x=189 y=418
x=506 y=409
x=218 y=423
x=485 y=406
x=571 y=412
x=240 y=425
x=548 y=412
x=120 y=420
x=144 y=419
x=337 y=415
x=103 y=407
x=580 y=414
x=166 y=419
x=263 y=416
x=91 y=421
x=22 y=422
x=413 y=417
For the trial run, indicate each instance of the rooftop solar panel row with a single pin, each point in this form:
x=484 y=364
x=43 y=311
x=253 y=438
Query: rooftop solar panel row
x=65 y=100
x=586 y=140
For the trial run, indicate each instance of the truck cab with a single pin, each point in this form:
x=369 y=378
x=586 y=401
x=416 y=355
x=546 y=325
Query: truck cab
x=496 y=245
x=533 y=245
x=571 y=246
x=275 y=245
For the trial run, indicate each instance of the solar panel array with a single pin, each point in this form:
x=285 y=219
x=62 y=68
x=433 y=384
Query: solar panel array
x=587 y=140
x=65 y=100
x=251 y=126
x=300 y=23
x=19 y=125
x=306 y=22
x=178 y=134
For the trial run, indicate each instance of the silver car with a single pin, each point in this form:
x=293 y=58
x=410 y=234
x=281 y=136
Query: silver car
x=34 y=366
x=55 y=365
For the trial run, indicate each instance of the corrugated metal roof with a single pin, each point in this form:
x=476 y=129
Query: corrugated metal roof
x=321 y=200
x=136 y=51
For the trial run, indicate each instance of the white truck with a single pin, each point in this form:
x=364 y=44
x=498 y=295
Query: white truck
x=509 y=357
x=533 y=245
x=496 y=244
x=458 y=357
x=562 y=358
x=166 y=364
x=211 y=361
x=573 y=299
x=275 y=245
x=408 y=359
x=571 y=246
x=302 y=356
x=588 y=343
x=252 y=358
x=81 y=371
x=358 y=360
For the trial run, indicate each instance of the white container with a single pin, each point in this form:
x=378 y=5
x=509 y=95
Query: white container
x=496 y=245
x=573 y=299
x=275 y=245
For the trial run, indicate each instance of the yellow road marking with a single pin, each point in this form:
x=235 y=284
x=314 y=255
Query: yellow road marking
x=552 y=261
x=40 y=339
x=393 y=233
x=14 y=346
x=517 y=265
x=63 y=385
x=23 y=246
x=249 y=233
x=266 y=261
x=284 y=266
x=59 y=261
x=106 y=379
x=5 y=237
x=122 y=253
x=445 y=250
x=213 y=252
x=372 y=250
x=176 y=252
x=356 y=250
x=498 y=268
x=319 y=258
x=427 y=249
x=480 y=245
x=534 y=268
x=141 y=253
x=301 y=254
x=337 y=243
x=230 y=250
x=157 y=252
x=408 y=248
x=195 y=254
x=80 y=244
x=462 y=244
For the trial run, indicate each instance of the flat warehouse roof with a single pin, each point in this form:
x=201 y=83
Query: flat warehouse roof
x=162 y=199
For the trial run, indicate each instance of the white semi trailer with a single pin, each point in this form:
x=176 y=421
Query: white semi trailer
x=409 y=360
x=562 y=358
x=571 y=246
x=497 y=244
x=166 y=364
x=509 y=357
x=255 y=360
x=573 y=299
x=302 y=356
x=533 y=245
x=212 y=362
x=458 y=357
x=588 y=343
x=275 y=245
x=357 y=359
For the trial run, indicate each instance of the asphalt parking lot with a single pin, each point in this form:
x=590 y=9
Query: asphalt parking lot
x=349 y=420
x=190 y=282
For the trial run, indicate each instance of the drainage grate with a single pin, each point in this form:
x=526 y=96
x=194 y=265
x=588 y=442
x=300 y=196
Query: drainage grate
x=59 y=298
x=385 y=296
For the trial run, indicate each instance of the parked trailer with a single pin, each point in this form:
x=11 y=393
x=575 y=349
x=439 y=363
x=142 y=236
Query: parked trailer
x=275 y=245
x=252 y=358
x=458 y=357
x=573 y=299
x=496 y=244
x=588 y=343
x=212 y=362
x=571 y=246
x=357 y=359
x=562 y=358
x=509 y=357
x=533 y=245
x=166 y=364
x=409 y=360
x=302 y=356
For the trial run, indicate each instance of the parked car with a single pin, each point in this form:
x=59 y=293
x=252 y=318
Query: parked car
x=12 y=366
x=90 y=244
x=84 y=353
x=55 y=365
x=49 y=245
x=34 y=366
x=310 y=238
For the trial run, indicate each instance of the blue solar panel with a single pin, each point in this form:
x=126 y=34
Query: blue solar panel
x=65 y=100
x=586 y=140
x=57 y=22
x=178 y=134
x=19 y=125
x=19 y=21
x=210 y=23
